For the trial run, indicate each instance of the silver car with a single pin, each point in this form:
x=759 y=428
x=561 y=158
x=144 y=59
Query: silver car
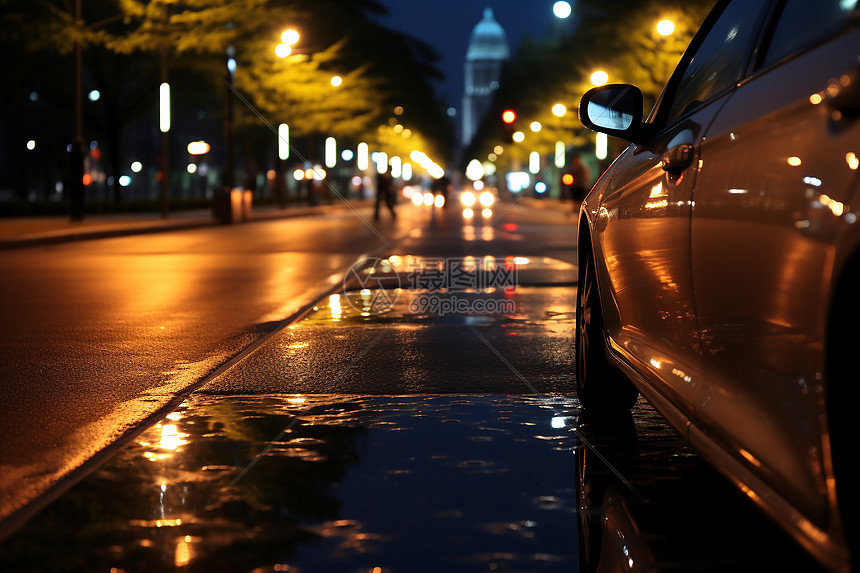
x=719 y=259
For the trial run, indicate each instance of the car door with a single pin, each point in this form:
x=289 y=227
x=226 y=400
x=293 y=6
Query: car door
x=772 y=187
x=643 y=229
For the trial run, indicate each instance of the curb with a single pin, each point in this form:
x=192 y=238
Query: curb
x=157 y=226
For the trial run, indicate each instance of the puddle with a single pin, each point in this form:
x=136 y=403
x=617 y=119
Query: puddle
x=323 y=483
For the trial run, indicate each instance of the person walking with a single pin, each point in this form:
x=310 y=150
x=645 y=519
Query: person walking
x=581 y=180
x=384 y=192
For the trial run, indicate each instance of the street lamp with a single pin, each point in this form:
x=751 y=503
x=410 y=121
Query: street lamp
x=665 y=27
x=562 y=9
x=599 y=78
x=289 y=38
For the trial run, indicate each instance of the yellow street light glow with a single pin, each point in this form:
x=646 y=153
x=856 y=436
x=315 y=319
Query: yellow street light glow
x=290 y=37
x=198 y=148
x=535 y=126
x=396 y=167
x=534 y=162
x=560 y=150
x=429 y=198
x=559 y=110
x=299 y=174
x=518 y=136
x=164 y=107
x=330 y=152
x=474 y=170
x=363 y=159
x=283 y=50
x=601 y=146
x=665 y=27
x=283 y=141
x=382 y=162
x=794 y=161
x=599 y=78
x=336 y=81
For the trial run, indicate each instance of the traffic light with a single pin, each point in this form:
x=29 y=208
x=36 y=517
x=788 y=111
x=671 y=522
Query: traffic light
x=509 y=116
x=567 y=186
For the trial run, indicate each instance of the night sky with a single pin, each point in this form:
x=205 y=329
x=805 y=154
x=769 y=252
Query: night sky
x=447 y=25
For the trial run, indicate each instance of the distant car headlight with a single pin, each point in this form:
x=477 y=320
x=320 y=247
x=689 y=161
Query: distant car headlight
x=487 y=199
x=467 y=199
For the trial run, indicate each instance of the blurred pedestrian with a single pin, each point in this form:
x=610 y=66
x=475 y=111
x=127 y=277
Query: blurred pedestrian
x=441 y=187
x=384 y=192
x=581 y=180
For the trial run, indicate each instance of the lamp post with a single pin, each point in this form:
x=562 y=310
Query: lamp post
x=164 y=125
x=76 y=193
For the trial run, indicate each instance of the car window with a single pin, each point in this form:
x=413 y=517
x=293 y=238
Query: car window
x=721 y=57
x=804 y=23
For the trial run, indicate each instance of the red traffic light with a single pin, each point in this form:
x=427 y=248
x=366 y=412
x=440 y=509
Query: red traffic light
x=567 y=179
x=509 y=116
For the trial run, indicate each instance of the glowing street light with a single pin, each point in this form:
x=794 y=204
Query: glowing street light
x=283 y=141
x=336 y=81
x=599 y=78
x=559 y=110
x=562 y=9
x=289 y=38
x=198 y=148
x=330 y=152
x=362 y=151
x=665 y=27
x=164 y=107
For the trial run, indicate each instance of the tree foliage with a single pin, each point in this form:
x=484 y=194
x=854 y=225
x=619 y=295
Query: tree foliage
x=381 y=68
x=618 y=37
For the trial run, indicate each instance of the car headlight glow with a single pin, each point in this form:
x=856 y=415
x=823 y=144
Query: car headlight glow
x=467 y=199
x=487 y=199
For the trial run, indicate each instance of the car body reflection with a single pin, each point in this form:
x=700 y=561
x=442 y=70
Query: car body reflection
x=647 y=502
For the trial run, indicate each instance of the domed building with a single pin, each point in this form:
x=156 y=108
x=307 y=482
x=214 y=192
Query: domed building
x=488 y=50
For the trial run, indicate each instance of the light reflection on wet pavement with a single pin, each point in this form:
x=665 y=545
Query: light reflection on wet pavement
x=405 y=441
x=344 y=483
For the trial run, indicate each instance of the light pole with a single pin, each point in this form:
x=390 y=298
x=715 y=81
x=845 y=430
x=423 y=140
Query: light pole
x=76 y=193
x=164 y=121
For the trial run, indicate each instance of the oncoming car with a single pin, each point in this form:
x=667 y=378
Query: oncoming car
x=719 y=259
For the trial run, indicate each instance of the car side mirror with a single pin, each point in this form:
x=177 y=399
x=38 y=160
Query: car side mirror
x=615 y=109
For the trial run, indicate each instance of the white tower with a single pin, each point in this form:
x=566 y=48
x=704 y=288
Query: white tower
x=488 y=49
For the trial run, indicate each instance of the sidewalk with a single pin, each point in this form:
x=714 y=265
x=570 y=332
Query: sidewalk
x=30 y=231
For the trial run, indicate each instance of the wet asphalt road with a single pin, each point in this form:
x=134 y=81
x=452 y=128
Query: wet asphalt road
x=378 y=435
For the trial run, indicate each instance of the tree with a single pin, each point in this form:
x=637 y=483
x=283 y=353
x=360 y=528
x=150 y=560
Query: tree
x=618 y=37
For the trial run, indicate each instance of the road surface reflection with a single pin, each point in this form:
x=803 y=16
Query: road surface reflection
x=336 y=483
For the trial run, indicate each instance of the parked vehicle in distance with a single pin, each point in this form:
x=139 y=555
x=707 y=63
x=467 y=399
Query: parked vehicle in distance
x=719 y=258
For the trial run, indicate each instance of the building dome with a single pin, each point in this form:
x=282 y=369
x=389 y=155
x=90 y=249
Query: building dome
x=488 y=40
